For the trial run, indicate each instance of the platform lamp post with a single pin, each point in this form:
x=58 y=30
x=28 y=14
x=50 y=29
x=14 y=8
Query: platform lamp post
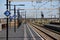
x=14 y=18
x=25 y=17
x=10 y=10
x=9 y=5
x=19 y=15
x=59 y=14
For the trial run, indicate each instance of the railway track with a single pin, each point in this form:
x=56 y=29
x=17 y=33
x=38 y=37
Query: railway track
x=46 y=34
x=49 y=29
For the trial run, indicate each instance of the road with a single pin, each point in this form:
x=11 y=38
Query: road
x=24 y=32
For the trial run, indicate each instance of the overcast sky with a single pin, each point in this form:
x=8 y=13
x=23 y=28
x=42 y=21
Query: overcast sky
x=48 y=8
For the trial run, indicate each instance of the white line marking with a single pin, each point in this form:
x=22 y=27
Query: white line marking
x=25 y=34
x=35 y=32
x=31 y=33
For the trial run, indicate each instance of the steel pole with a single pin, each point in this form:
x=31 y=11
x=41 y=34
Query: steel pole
x=14 y=18
x=10 y=10
x=7 y=30
x=36 y=13
x=59 y=14
x=7 y=4
x=25 y=17
x=18 y=16
x=7 y=21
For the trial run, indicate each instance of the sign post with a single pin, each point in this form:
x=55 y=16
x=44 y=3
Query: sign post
x=7 y=13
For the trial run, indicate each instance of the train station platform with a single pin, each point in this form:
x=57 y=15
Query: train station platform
x=24 y=32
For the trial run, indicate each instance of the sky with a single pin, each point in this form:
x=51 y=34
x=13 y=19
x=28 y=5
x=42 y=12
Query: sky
x=33 y=9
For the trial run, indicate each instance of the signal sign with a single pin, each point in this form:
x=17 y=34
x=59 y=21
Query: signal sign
x=7 y=13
